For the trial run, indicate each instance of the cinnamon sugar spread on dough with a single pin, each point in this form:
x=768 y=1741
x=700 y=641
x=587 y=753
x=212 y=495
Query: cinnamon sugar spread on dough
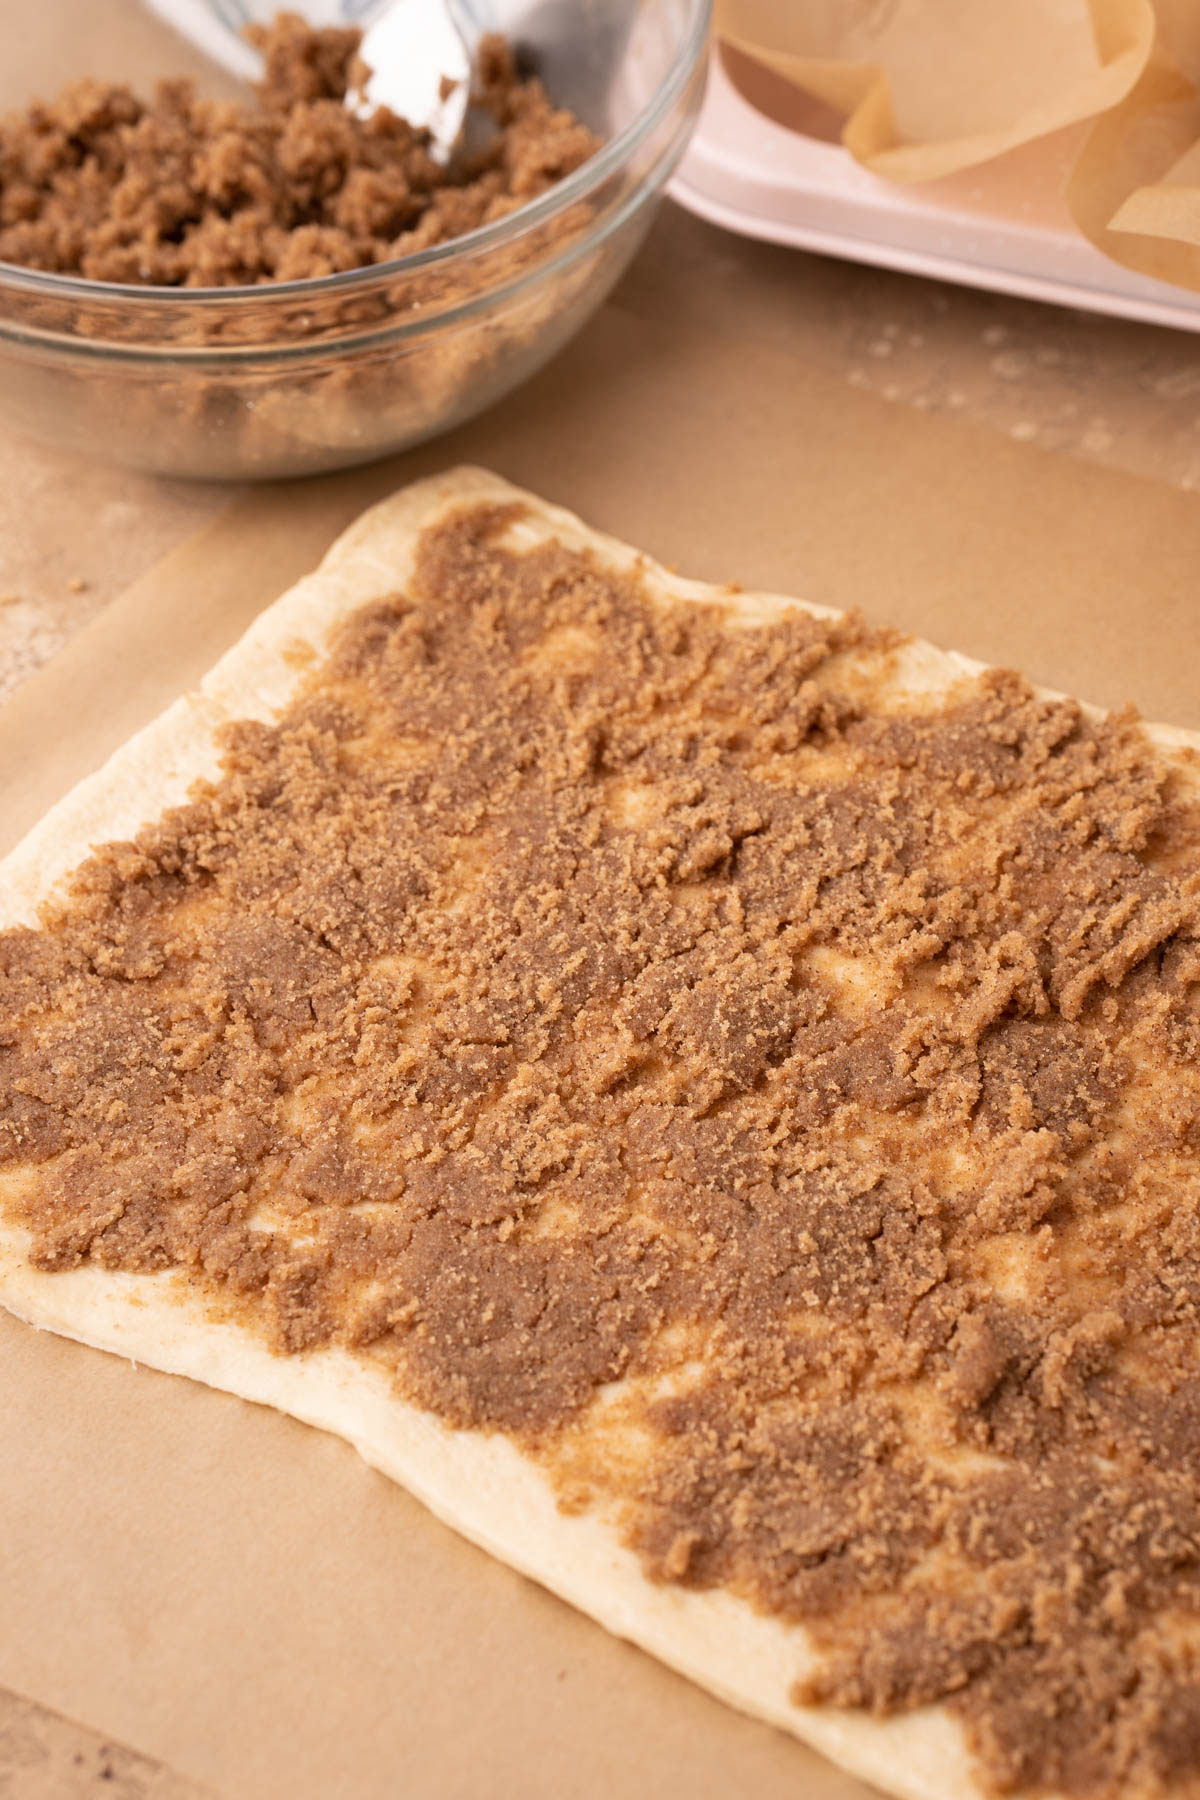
x=770 y=1094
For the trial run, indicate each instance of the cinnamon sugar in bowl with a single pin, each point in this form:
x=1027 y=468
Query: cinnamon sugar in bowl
x=292 y=377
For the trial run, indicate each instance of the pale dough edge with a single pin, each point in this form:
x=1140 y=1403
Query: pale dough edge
x=478 y=1484
x=484 y=1489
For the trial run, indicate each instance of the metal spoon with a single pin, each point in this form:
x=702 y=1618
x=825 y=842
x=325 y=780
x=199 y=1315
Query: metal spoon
x=420 y=65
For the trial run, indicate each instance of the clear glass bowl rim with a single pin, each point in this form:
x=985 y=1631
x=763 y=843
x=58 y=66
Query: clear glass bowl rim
x=259 y=358
x=575 y=187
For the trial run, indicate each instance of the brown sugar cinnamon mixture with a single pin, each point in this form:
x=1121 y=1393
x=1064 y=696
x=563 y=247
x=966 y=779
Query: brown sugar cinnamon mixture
x=190 y=192
x=772 y=1097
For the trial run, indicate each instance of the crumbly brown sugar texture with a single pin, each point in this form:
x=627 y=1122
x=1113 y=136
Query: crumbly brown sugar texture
x=184 y=191
x=768 y=1094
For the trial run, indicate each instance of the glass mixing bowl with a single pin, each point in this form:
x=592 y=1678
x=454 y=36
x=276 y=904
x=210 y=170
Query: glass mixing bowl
x=295 y=377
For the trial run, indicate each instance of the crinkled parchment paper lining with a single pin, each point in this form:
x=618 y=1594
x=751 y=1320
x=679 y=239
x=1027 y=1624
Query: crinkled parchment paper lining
x=930 y=87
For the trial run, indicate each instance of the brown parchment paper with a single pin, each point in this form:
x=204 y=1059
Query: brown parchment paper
x=240 y=1596
x=933 y=86
x=925 y=88
x=1135 y=190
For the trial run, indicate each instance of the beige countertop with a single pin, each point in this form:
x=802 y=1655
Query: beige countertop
x=1127 y=396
